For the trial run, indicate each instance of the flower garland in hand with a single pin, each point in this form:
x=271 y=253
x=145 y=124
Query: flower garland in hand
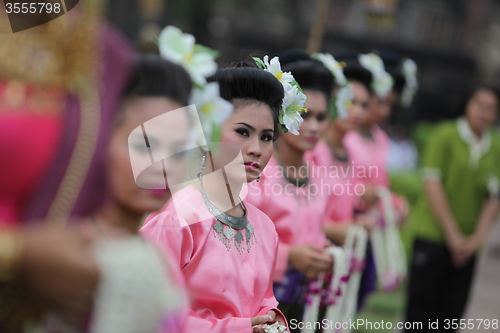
x=293 y=104
x=199 y=62
x=388 y=249
x=330 y=297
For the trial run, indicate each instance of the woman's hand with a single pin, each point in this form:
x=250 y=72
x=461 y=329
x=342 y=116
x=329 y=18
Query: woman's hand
x=370 y=195
x=310 y=260
x=402 y=209
x=366 y=221
x=270 y=318
x=59 y=271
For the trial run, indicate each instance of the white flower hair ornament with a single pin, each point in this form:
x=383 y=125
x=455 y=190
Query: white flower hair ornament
x=344 y=97
x=335 y=67
x=382 y=82
x=294 y=101
x=213 y=109
x=409 y=69
x=199 y=62
x=180 y=48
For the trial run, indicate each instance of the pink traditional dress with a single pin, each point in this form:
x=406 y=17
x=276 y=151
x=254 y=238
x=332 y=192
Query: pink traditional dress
x=227 y=287
x=341 y=172
x=341 y=175
x=299 y=214
x=369 y=155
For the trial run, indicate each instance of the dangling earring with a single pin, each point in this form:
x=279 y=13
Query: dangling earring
x=258 y=179
x=203 y=164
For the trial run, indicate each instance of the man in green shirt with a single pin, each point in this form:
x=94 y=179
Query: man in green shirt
x=461 y=173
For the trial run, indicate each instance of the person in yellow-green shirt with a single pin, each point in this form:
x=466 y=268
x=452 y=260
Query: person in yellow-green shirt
x=460 y=169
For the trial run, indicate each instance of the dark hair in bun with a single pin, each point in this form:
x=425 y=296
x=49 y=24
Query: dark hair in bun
x=312 y=75
x=153 y=76
x=354 y=71
x=246 y=82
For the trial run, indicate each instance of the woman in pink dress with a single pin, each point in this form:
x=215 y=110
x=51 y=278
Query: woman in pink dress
x=147 y=291
x=331 y=152
x=227 y=253
x=297 y=196
x=368 y=149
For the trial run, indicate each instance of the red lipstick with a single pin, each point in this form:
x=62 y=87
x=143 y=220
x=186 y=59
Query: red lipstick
x=252 y=165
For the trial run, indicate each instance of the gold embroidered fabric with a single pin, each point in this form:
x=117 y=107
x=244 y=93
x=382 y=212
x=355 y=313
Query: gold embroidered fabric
x=56 y=53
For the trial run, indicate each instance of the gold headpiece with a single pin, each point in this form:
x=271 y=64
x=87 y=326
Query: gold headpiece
x=58 y=53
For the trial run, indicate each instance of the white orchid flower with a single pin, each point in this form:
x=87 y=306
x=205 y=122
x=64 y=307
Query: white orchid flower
x=180 y=48
x=344 y=100
x=372 y=62
x=213 y=109
x=333 y=66
x=382 y=81
x=294 y=100
x=293 y=104
x=274 y=67
x=409 y=69
x=382 y=84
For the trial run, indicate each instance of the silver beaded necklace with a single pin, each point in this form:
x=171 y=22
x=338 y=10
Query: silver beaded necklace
x=228 y=228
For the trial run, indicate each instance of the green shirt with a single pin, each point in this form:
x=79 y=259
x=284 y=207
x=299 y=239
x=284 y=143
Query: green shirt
x=468 y=169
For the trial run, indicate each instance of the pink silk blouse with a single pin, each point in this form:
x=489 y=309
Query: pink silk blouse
x=299 y=214
x=226 y=288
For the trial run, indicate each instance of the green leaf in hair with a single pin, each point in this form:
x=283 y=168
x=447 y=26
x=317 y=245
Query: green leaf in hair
x=259 y=63
x=203 y=49
x=155 y=39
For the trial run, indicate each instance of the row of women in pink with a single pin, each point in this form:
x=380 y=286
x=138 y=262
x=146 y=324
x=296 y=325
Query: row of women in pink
x=346 y=166
x=332 y=154
x=298 y=196
x=368 y=146
x=357 y=145
x=227 y=258
x=280 y=231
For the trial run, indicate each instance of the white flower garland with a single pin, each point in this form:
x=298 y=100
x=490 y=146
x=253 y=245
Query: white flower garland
x=274 y=328
x=355 y=249
x=311 y=310
x=388 y=249
x=294 y=101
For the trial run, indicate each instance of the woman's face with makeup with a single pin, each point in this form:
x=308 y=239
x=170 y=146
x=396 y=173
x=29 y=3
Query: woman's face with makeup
x=315 y=123
x=150 y=191
x=358 y=111
x=251 y=128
